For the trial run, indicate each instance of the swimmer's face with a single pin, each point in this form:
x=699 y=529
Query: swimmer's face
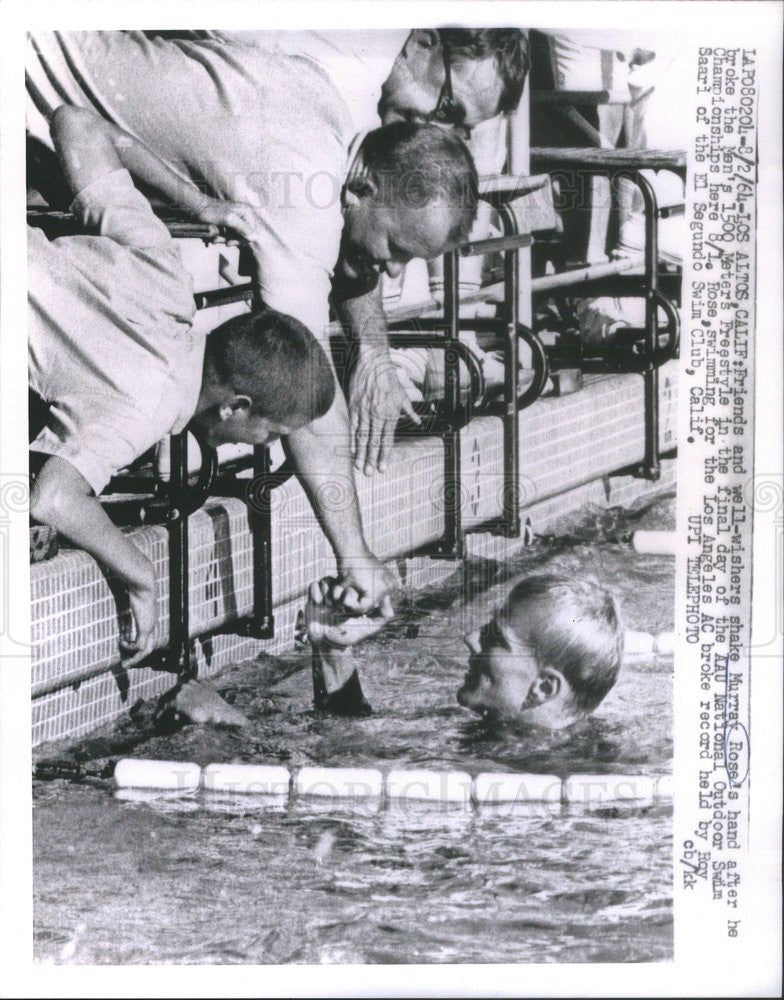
x=379 y=237
x=502 y=667
x=411 y=91
x=505 y=677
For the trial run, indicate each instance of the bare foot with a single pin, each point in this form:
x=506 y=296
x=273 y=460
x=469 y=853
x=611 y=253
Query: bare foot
x=200 y=704
x=336 y=685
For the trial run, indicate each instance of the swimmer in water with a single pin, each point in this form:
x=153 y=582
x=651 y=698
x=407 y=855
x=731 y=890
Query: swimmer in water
x=547 y=658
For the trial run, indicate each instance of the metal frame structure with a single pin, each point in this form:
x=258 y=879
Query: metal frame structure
x=185 y=500
x=509 y=328
x=182 y=498
x=623 y=277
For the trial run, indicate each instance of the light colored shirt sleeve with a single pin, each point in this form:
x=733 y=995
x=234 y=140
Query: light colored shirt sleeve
x=98 y=437
x=112 y=206
x=109 y=332
x=267 y=128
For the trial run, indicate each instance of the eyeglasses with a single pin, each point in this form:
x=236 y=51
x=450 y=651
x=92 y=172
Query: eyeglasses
x=447 y=110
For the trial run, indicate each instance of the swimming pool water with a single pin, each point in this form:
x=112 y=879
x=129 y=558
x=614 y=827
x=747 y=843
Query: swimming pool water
x=150 y=879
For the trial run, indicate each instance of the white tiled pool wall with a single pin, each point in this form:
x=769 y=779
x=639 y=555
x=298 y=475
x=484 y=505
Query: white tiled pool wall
x=570 y=446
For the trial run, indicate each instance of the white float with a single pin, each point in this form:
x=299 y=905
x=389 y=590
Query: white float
x=430 y=786
x=655 y=543
x=490 y=788
x=637 y=643
x=665 y=643
x=246 y=779
x=644 y=644
x=339 y=782
x=598 y=789
x=172 y=775
x=497 y=791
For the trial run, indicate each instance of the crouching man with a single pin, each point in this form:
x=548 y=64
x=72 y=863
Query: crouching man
x=116 y=364
x=547 y=658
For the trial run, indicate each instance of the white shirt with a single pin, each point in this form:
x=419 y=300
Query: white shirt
x=110 y=342
x=245 y=123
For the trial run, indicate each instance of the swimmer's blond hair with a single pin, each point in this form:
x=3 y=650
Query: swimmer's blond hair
x=576 y=629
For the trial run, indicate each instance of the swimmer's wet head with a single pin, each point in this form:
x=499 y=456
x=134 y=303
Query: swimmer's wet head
x=548 y=657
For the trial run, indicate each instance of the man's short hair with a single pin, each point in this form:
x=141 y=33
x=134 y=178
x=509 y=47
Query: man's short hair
x=577 y=631
x=277 y=362
x=509 y=48
x=414 y=164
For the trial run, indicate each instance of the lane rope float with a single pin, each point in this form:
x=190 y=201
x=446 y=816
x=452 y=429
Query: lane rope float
x=644 y=644
x=655 y=543
x=485 y=789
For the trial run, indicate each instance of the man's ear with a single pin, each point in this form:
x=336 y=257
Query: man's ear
x=547 y=685
x=231 y=406
x=359 y=186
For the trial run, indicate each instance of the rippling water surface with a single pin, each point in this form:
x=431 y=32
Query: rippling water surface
x=147 y=879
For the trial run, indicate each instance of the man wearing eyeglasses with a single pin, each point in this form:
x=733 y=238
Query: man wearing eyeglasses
x=483 y=70
x=456 y=76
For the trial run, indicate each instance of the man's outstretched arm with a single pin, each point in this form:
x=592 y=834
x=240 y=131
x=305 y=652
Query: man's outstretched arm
x=62 y=498
x=89 y=147
x=322 y=457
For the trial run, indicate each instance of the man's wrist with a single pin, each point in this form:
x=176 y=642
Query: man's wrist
x=354 y=556
x=142 y=581
x=373 y=345
x=198 y=202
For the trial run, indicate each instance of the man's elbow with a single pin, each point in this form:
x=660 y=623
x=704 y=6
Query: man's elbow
x=53 y=497
x=61 y=121
x=46 y=504
x=69 y=122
